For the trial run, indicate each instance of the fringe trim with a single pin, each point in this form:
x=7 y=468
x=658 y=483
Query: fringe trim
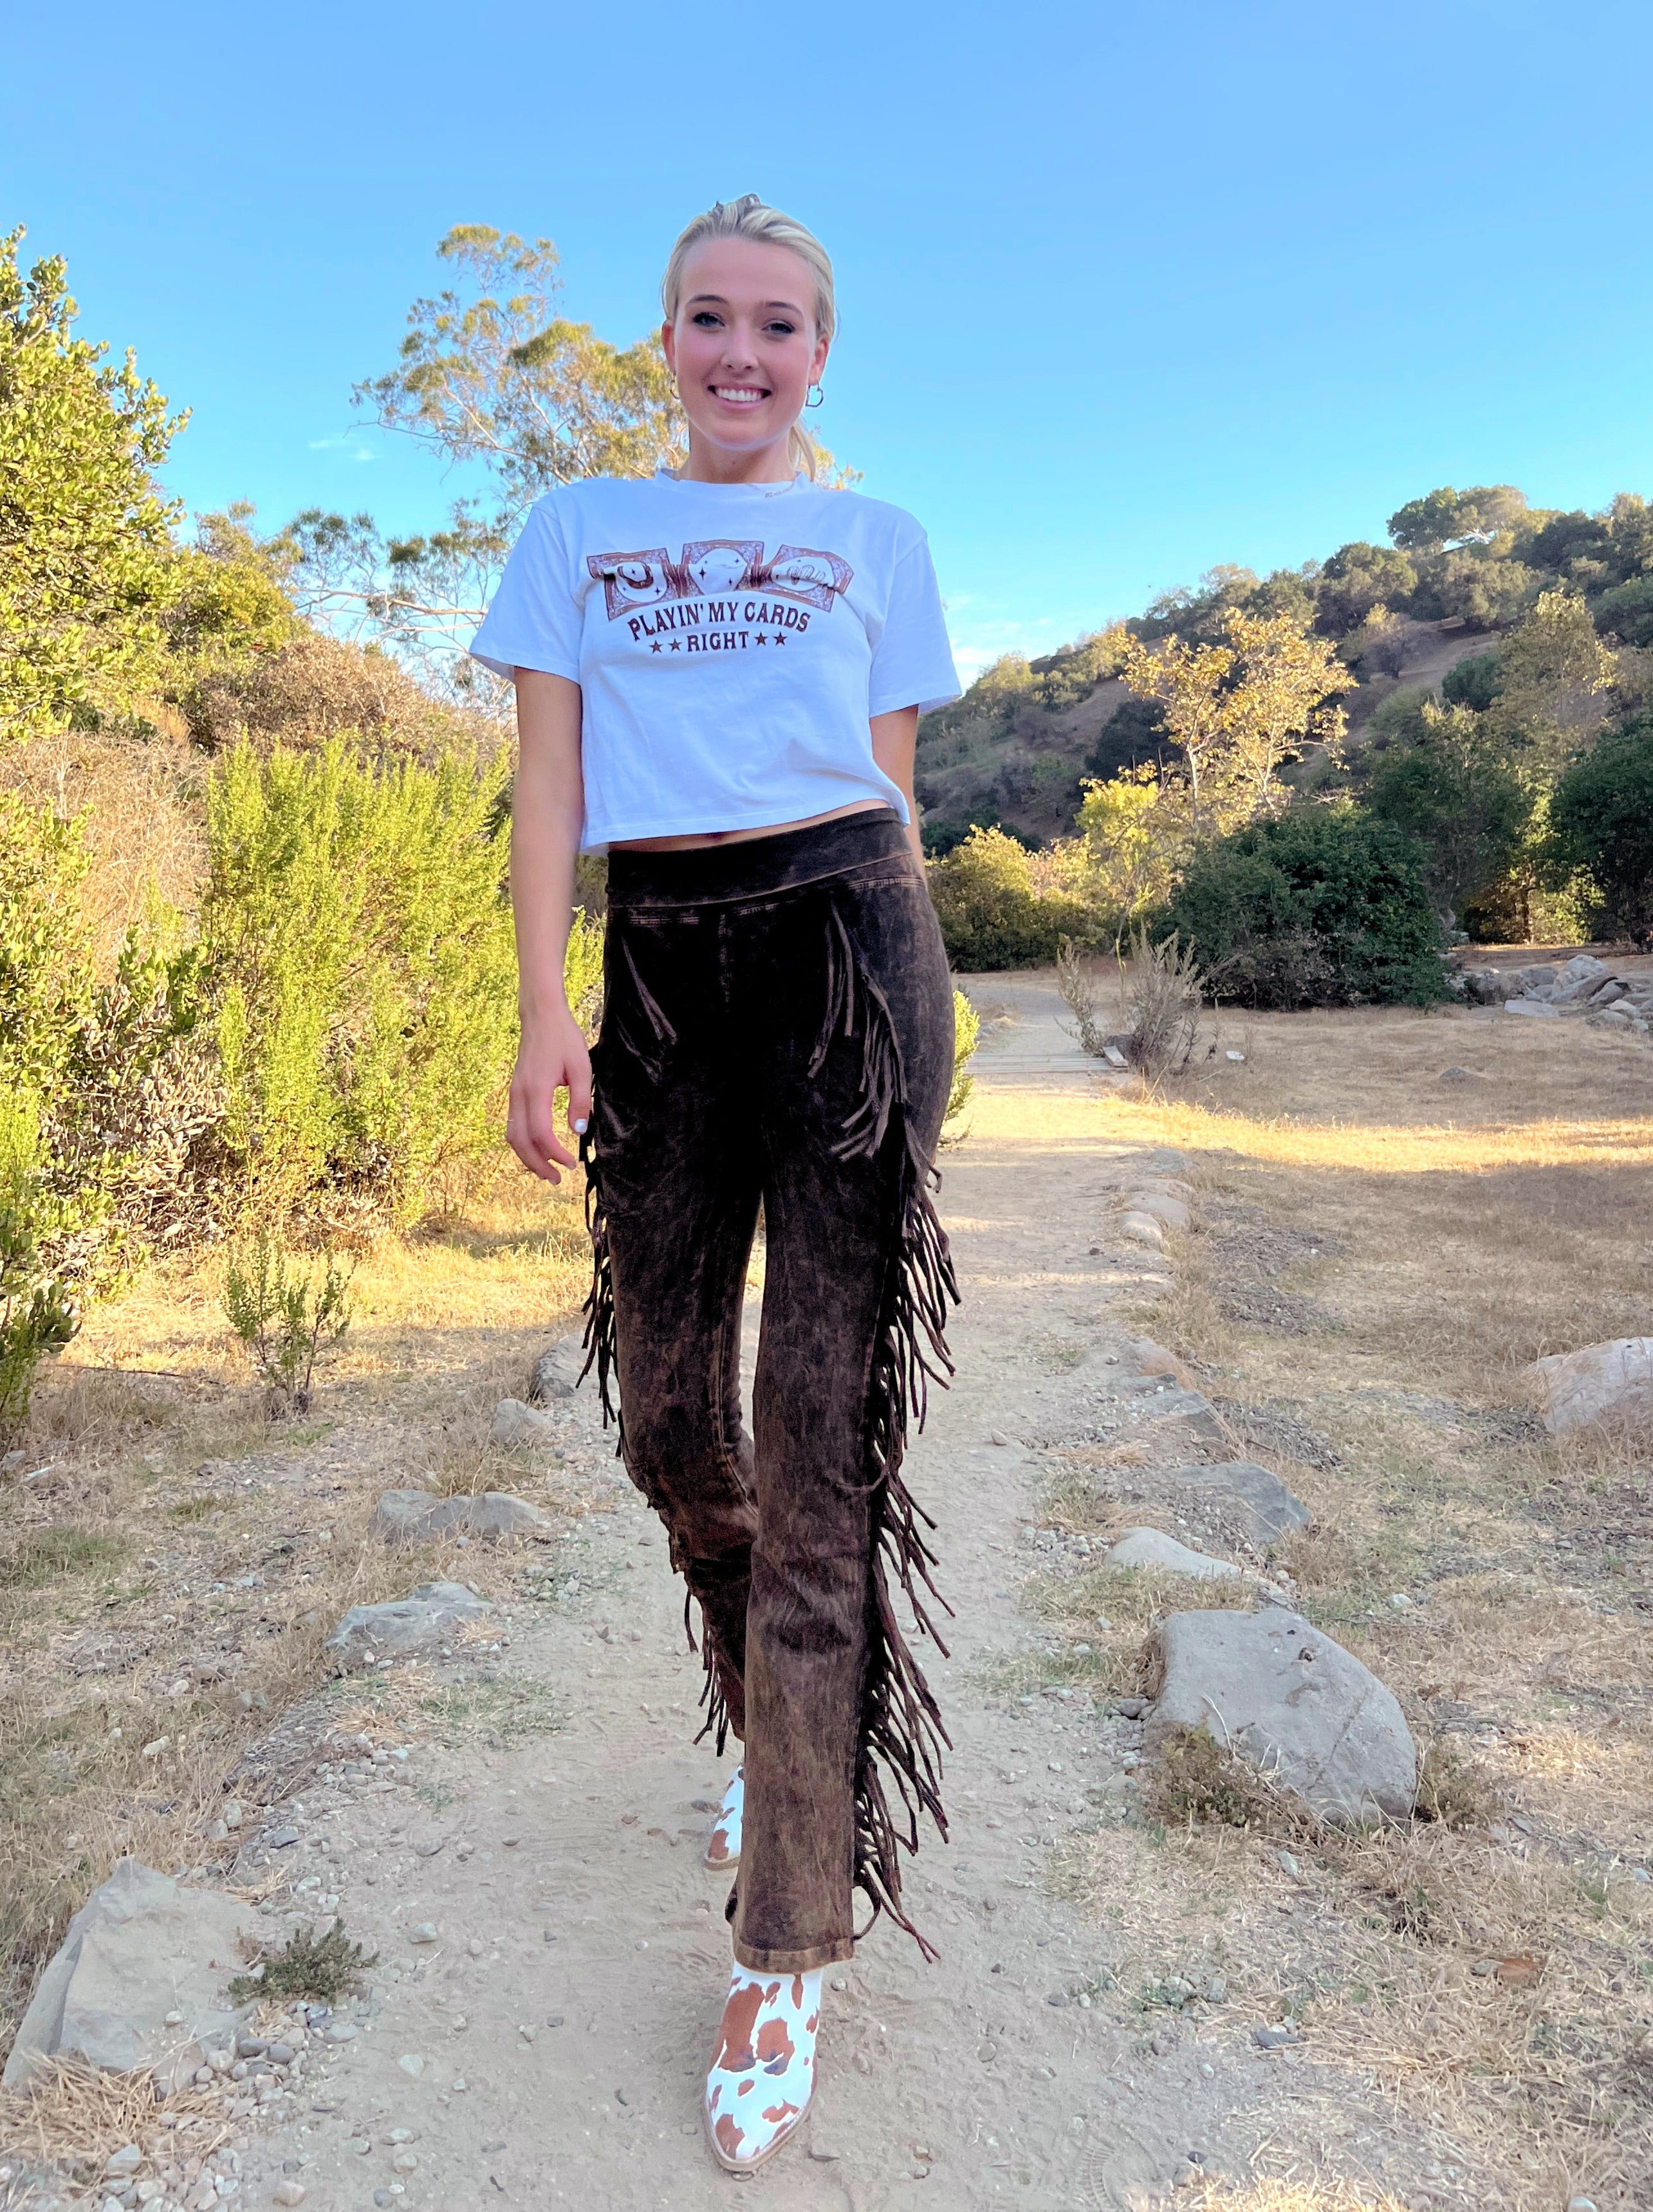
x=902 y=1729
x=713 y=1702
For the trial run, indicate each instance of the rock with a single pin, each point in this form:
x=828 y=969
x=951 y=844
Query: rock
x=1600 y=1380
x=416 y=1516
x=1238 y=1058
x=557 y=1372
x=1531 y=982
x=1151 y=1547
x=411 y=2064
x=1606 y=995
x=232 y=1814
x=1170 y=1212
x=123 y=2162
x=139 y=1947
x=1153 y=1359
x=1483 y=986
x=518 y=1427
x=1142 y=1228
x=423 y=1931
x=1583 y=974
x=1274 y=2039
x=1259 y=1497
x=1113 y=1056
x=429 y=1616
x=287 y=2192
x=1295 y=1704
x=1541 y=1009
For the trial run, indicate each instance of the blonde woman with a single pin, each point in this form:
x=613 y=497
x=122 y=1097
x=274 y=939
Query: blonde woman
x=719 y=677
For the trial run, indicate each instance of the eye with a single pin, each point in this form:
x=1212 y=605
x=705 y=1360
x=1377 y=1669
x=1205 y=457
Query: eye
x=708 y=319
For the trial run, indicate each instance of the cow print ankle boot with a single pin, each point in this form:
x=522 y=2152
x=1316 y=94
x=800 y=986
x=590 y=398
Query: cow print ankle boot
x=764 y=2076
x=723 y=1846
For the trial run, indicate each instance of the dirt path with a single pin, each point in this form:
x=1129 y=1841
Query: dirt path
x=566 y=1880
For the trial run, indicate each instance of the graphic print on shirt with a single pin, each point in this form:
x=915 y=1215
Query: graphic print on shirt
x=720 y=595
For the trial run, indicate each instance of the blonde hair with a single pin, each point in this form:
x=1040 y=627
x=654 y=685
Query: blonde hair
x=748 y=217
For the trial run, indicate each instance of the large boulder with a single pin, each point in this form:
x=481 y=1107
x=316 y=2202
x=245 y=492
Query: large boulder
x=1581 y=975
x=430 y=1617
x=1602 y=1381
x=140 y=1950
x=1284 y=1697
x=1536 y=1009
x=418 y=1516
x=1254 y=1496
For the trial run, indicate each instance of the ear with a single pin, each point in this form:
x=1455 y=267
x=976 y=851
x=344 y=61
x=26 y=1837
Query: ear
x=818 y=359
x=669 y=346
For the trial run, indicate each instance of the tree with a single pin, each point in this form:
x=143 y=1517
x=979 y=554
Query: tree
x=1239 y=711
x=1446 y=517
x=1556 y=676
x=1446 y=778
x=1357 y=578
x=88 y=568
x=1602 y=818
x=1133 y=832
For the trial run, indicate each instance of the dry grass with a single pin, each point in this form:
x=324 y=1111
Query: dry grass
x=74 y=2116
x=170 y=1579
x=1422 y=1242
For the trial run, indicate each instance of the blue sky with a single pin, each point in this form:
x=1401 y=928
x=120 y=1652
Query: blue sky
x=1127 y=290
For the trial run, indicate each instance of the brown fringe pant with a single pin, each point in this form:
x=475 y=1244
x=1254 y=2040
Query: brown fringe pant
x=778 y=1028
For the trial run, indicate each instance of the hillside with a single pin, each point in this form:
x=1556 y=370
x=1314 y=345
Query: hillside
x=1460 y=569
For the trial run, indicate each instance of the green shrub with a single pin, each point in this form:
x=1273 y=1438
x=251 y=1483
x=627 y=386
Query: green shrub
x=967 y=1034
x=1602 y=819
x=1474 y=683
x=1446 y=778
x=85 y=1123
x=284 y=1319
x=1325 y=906
x=991 y=916
x=359 y=946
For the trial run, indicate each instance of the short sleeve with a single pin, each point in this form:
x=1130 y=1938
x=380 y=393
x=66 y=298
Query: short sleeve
x=911 y=657
x=534 y=620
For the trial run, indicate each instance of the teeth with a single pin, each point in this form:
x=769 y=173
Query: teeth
x=741 y=394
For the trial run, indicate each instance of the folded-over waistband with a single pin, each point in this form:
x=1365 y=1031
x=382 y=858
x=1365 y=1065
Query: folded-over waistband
x=756 y=867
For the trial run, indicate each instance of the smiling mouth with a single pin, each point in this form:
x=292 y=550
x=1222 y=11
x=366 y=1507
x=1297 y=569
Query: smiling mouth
x=739 y=395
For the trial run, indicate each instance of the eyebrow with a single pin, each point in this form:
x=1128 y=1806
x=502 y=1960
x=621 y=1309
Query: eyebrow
x=717 y=300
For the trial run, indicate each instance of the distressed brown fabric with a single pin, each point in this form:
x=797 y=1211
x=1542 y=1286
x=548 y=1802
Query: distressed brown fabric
x=778 y=1030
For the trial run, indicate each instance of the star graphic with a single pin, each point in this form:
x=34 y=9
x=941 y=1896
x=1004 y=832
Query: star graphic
x=656 y=647
x=780 y=637
x=676 y=647
x=762 y=640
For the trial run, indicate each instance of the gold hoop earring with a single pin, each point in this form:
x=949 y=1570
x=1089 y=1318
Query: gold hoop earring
x=819 y=396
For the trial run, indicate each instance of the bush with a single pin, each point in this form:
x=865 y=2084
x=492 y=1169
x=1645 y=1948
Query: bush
x=967 y=1034
x=991 y=914
x=1474 y=683
x=1602 y=818
x=359 y=947
x=1447 y=779
x=284 y=1320
x=1325 y=906
x=1626 y=611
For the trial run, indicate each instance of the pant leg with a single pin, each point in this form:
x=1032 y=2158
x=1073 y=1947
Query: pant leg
x=673 y=1185
x=856 y=1275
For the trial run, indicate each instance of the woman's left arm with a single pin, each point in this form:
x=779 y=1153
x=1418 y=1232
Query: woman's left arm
x=895 y=740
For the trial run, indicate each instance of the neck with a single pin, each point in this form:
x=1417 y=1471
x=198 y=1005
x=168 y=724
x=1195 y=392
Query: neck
x=710 y=464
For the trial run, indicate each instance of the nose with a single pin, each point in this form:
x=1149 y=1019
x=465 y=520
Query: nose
x=739 y=352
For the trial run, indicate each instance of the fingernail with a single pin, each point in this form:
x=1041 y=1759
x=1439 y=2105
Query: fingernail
x=579 y=1128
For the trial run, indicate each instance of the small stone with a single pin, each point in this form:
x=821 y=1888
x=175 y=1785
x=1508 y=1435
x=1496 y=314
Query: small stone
x=343 y=2030
x=1287 y=1863
x=411 y=2062
x=1216 y=1992
x=517 y=1426
x=232 y=1814
x=1058 y=1998
x=251 y=2046
x=1236 y=1056
x=282 y=2054
x=1151 y=1547
x=423 y=1931
x=840 y=1982
x=1274 y=2039
x=281 y=1839
x=127 y=2160
x=405 y=2163
x=287 y=2192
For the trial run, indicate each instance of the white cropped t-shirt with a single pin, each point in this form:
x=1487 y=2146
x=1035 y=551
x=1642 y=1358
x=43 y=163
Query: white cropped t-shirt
x=730 y=641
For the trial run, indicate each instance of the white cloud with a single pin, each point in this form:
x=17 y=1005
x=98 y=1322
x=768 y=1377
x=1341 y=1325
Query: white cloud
x=350 y=443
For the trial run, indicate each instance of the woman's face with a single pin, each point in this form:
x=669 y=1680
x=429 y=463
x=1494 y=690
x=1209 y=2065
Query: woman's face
x=742 y=345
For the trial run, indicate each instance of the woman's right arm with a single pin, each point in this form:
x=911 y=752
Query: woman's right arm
x=547 y=811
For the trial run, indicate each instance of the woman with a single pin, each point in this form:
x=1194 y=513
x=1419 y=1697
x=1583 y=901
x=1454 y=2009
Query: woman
x=719 y=677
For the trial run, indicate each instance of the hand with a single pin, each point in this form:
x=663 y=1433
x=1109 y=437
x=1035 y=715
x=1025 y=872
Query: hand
x=551 y=1056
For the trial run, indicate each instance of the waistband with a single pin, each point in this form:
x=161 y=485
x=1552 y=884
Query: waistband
x=756 y=867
